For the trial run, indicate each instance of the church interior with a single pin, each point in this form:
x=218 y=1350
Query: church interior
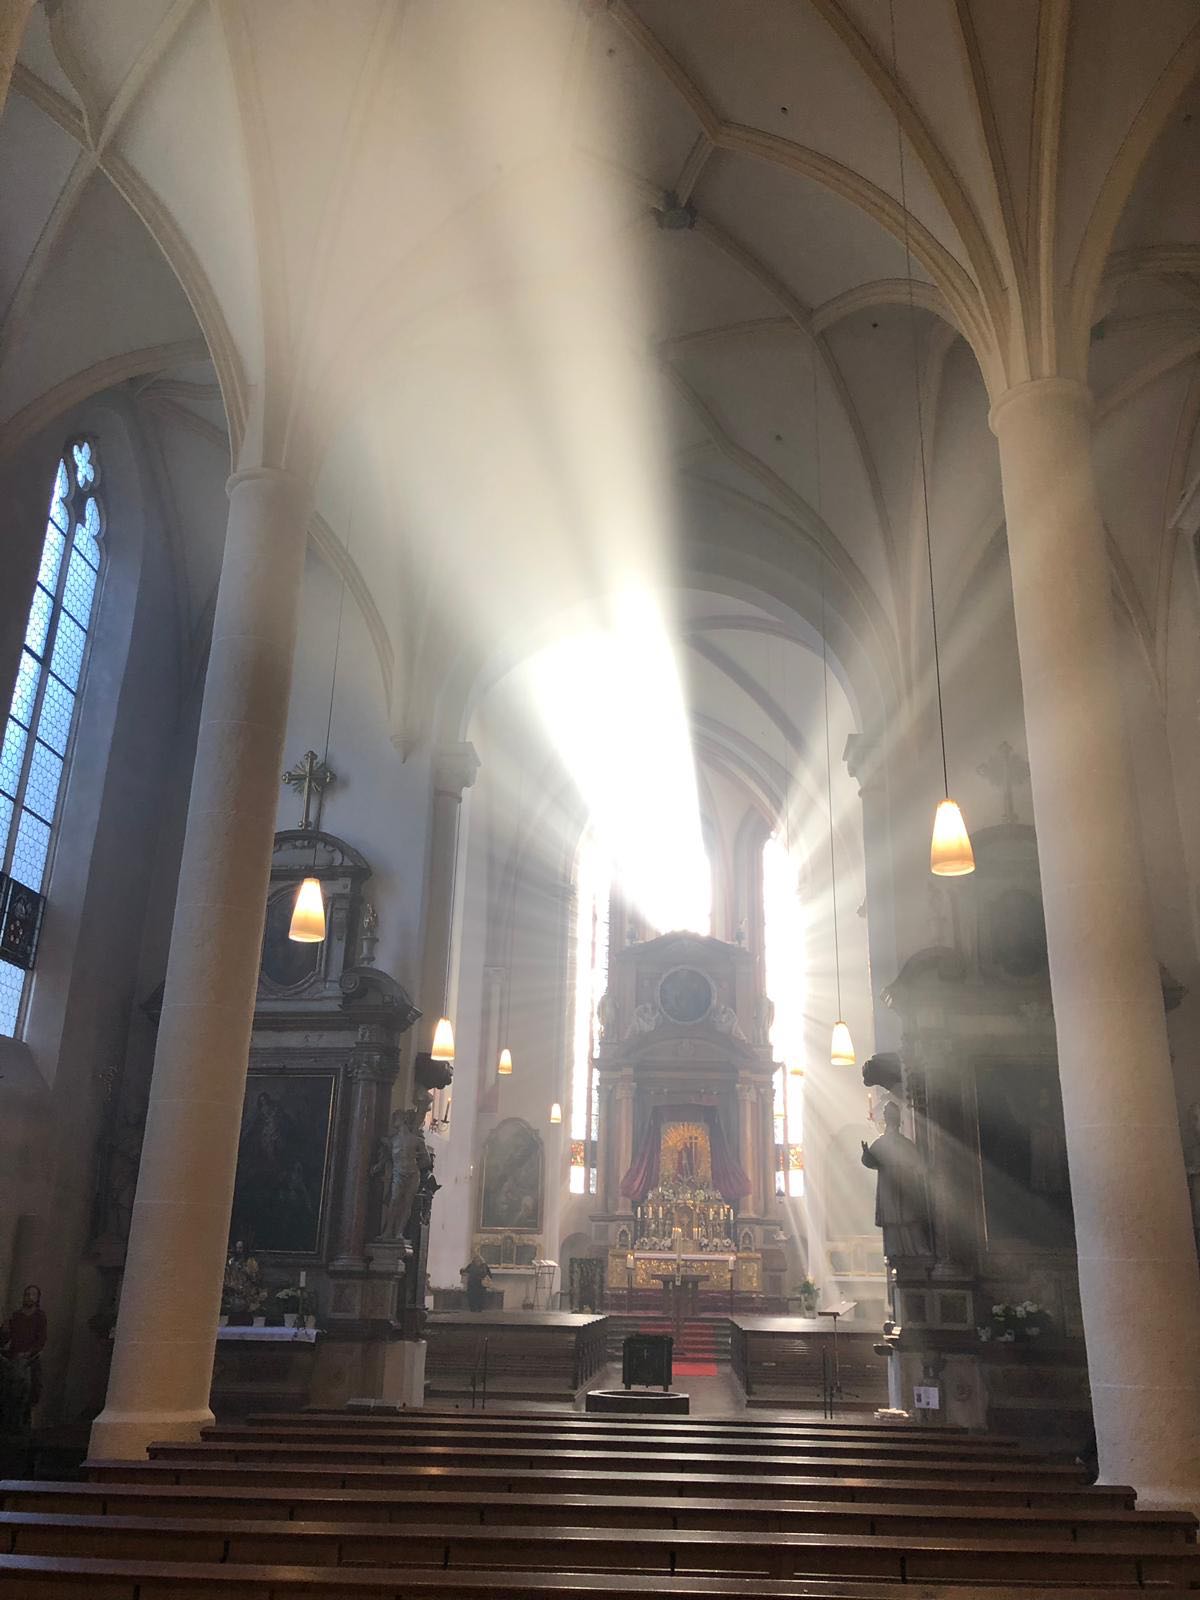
x=600 y=880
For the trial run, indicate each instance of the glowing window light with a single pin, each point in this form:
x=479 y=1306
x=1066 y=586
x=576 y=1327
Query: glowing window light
x=43 y=712
x=611 y=700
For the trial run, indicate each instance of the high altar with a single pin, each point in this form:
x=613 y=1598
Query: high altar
x=686 y=1146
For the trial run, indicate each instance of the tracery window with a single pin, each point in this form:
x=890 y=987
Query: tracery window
x=42 y=716
x=784 y=959
x=593 y=886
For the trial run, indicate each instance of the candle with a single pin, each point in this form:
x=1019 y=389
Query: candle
x=303 y=1278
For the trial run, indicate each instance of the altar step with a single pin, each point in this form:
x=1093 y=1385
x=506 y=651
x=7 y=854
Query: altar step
x=699 y=1339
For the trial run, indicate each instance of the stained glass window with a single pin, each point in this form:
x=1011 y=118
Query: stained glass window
x=41 y=718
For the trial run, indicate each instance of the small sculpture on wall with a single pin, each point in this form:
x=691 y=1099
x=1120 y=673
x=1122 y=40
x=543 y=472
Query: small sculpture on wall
x=901 y=1201
x=403 y=1162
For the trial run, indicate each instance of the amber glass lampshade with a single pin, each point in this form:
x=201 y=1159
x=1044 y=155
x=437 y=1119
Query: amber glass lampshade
x=556 y=1112
x=443 y=1041
x=308 y=914
x=841 y=1050
x=504 y=1067
x=950 y=854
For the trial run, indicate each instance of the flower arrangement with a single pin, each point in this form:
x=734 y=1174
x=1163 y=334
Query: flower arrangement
x=1015 y=1324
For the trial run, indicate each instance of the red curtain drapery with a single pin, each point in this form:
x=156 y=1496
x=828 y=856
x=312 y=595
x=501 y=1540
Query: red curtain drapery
x=729 y=1179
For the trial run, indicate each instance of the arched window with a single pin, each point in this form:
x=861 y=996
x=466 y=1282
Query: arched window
x=593 y=887
x=784 y=958
x=42 y=716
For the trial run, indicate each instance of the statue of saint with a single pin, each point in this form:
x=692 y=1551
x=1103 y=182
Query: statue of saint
x=403 y=1161
x=242 y=1290
x=901 y=1201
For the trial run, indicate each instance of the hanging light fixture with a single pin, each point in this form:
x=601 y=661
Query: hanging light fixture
x=841 y=1046
x=308 y=914
x=443 y=1041
x=841 y=1050
x=556 y=1112
x=950 y=853
x=504 y=1067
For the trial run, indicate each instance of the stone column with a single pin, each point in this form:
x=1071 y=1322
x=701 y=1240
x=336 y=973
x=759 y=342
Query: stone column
x=748 y=1108
x=166 y=1331
x=1137 y=1261
x=621 y=1159
x=372 y=1071
x=14 y=14
x=454 y=769
x=865 y=763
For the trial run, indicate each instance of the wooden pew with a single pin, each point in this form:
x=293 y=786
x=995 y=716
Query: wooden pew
x=383 y=1414
x=879 y=1517
x=908 y=1558
x=82 y=1578
x=908 y=1489
x=910 y=1459
x=334 y=1436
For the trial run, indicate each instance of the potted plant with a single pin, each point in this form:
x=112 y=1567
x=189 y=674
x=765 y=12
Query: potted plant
x=1015 y=1324
x=805 y=1299
x=292 y=1296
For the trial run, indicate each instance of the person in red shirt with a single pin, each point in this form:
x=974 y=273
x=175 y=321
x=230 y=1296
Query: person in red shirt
x=26 y=1330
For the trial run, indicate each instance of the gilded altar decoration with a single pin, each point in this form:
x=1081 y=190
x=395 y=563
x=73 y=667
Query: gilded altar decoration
x=685 y=1153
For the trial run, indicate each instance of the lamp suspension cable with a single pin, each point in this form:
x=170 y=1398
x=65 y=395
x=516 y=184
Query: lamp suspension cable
x=950 y=855
x=841 y=1047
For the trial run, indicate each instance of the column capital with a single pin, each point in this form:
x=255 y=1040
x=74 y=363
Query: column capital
x=276 y=477
x=454 y=769
x=863 y=756
x=1040 y=392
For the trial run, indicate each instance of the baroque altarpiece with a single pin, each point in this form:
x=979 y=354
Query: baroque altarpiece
x=686 y=1152
x=989 y=1317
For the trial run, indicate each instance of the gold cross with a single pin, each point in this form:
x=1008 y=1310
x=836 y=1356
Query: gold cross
x=311 y=777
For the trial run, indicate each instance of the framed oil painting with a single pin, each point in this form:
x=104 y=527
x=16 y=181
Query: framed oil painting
x=510 y=1188
x=283 y=1160
x=1023 y=1157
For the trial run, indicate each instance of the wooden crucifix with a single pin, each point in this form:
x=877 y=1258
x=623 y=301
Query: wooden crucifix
x=310 y=778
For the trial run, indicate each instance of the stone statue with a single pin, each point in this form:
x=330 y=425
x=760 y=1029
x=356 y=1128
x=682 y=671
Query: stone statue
x=403 y=1161
x=646 y=1018
x=764 y=1019
x=242 y=1290
x=609 y=1017
x=901 y=1201
x=724 y=1019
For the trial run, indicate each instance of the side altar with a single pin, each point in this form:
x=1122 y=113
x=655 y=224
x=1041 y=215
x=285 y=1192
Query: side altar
x=686 y=1154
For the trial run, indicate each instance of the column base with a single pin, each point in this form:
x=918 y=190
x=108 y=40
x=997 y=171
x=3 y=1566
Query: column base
x=404 y=1373
x=125 y=1435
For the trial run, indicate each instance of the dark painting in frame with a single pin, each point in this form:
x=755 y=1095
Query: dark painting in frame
x=1023 y=1157
x=510 y=1191
x=284 y=1151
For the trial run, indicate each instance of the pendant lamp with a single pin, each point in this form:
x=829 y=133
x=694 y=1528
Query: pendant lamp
x=504 y=1068
x=841 y=1050
x=556 y=1112
x=443 y=1041
x=950 y=853
x=308 y=914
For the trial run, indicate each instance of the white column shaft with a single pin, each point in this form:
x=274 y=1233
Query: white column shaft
x=1137 y=1262
x=170 y=1300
